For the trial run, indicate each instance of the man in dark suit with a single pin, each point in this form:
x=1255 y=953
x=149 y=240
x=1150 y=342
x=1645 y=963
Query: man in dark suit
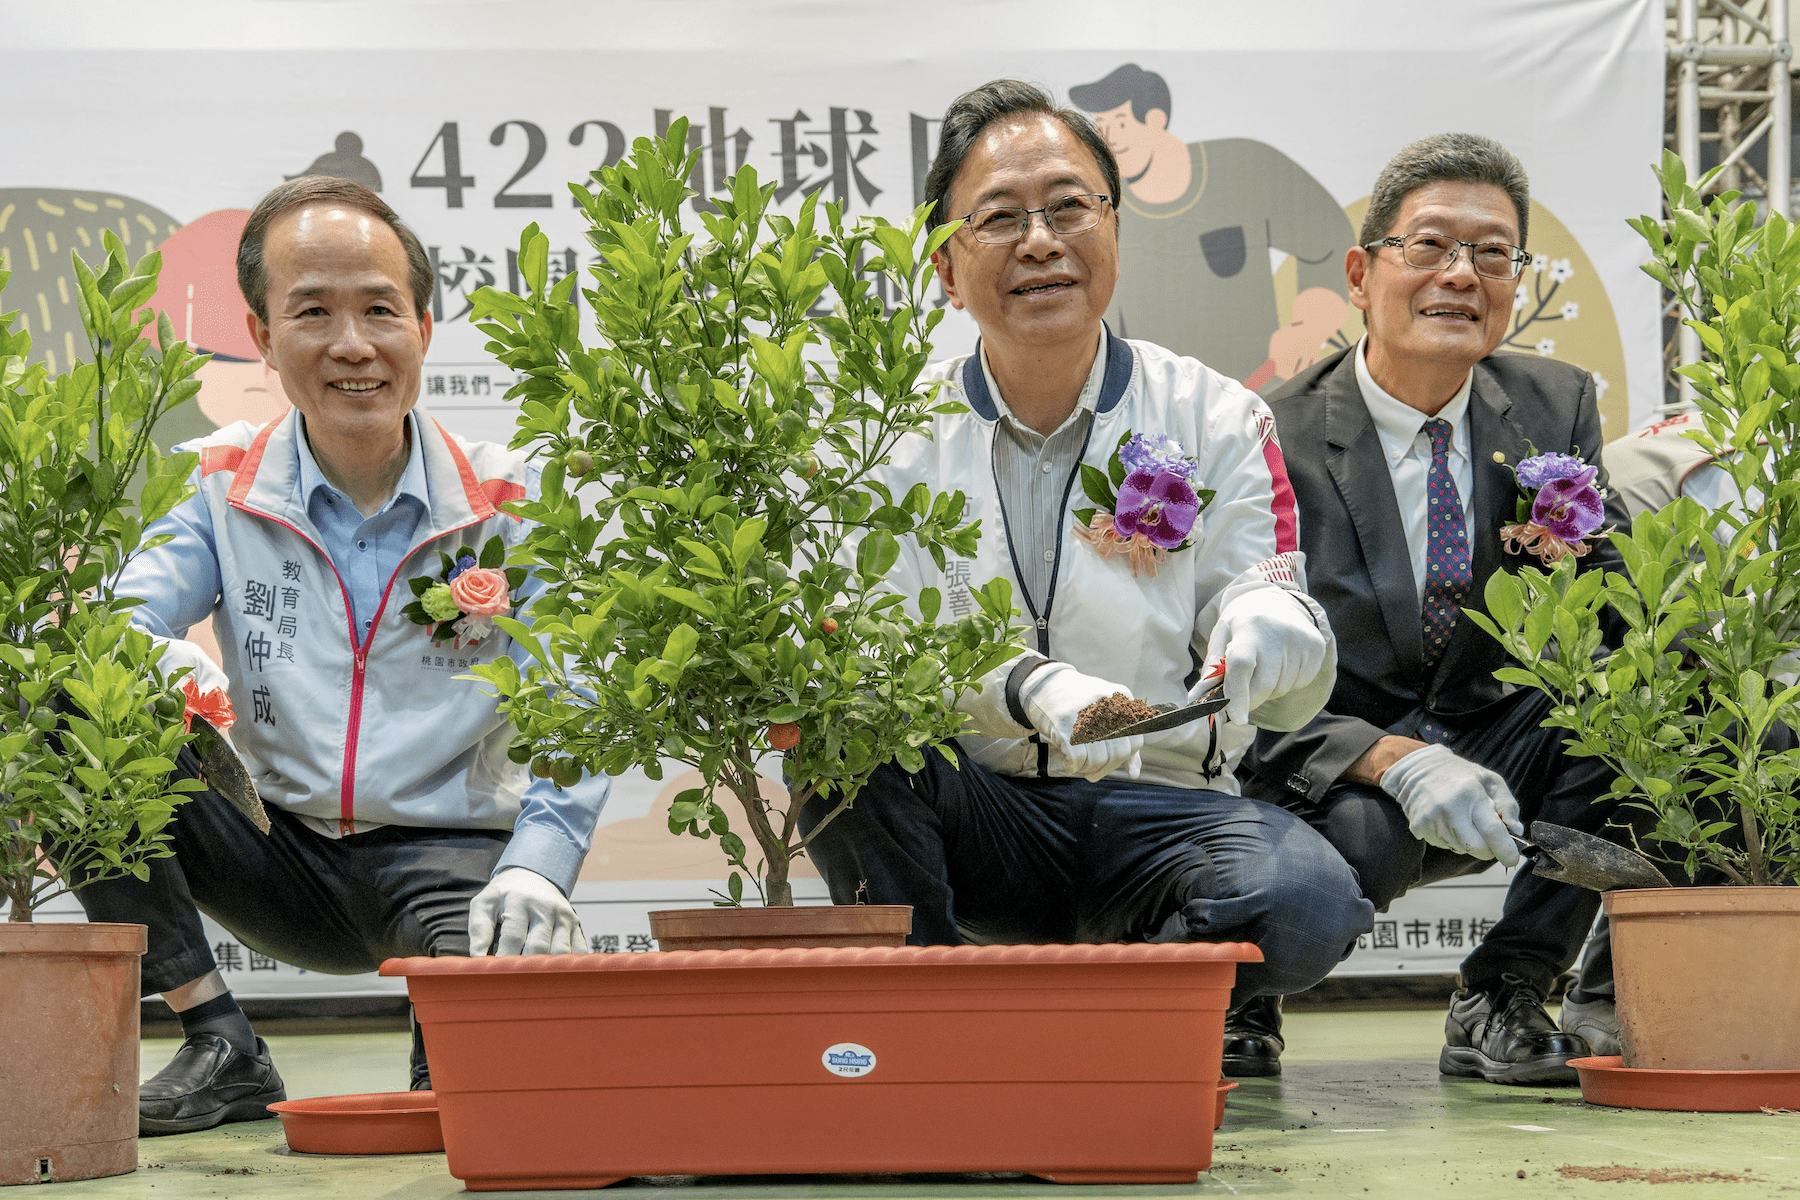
x=1401 y=451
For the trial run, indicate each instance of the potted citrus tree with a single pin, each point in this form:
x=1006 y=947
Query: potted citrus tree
x=89 y=725
x=715 y=553
x=715 y=547
x=1695 y=706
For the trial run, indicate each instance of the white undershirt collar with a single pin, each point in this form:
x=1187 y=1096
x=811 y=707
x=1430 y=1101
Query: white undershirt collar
x=1399 y=423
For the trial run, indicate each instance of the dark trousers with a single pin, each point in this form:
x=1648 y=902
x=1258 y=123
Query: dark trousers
x=995 y=858
x=335 y=906
x=1543 y=923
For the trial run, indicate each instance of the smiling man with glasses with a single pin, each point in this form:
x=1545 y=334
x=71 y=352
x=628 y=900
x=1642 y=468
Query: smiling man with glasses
x=1423 y=766
x=1032 y=835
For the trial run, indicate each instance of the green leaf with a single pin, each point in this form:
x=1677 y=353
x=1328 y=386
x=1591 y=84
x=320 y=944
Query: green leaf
x=876 y=556
x=1115 y=465
x=679 y=648
x=690 y=599
x=1096 y=486
x=746 y=541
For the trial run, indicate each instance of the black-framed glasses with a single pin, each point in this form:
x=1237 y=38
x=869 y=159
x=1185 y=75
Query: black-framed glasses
x=1071 y=214
x=1436 y=251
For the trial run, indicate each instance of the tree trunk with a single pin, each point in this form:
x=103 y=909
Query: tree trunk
x=21 y=904
x=777 y=892
x=1759 y=867
x=18 y=891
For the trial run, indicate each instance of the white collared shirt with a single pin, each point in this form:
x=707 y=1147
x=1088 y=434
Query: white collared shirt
x=1407 y=448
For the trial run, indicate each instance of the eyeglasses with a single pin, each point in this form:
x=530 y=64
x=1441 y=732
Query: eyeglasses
x=1071 y=214
x=1437 y=251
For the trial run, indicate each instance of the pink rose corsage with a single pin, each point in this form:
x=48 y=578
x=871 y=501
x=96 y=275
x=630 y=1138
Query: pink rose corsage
x=460 y=602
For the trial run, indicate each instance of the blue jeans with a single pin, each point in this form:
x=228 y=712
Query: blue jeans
x=999 y=858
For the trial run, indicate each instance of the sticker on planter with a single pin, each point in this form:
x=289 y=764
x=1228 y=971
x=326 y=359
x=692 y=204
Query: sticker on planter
x=848 y=1059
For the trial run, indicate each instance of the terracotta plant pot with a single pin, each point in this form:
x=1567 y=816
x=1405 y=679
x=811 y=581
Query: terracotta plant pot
x=1708 y=978
x=774 y=928
x=1081 y=1064
x=69 y=1061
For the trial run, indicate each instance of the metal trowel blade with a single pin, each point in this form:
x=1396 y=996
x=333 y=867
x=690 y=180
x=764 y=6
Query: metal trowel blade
x=1570 y=856
x=225 y=772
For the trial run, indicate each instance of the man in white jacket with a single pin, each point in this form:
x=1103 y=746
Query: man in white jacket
x=399 y=826
x=1034 y=837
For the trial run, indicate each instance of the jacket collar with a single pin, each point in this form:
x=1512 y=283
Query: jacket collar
x=412 y=477
x=268 y=480
x=1112 y=385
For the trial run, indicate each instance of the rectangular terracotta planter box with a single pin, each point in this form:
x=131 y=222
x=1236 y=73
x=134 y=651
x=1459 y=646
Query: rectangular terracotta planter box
x=1081 y=1064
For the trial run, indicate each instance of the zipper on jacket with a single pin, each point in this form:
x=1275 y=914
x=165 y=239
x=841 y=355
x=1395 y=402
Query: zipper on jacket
x=359 y=658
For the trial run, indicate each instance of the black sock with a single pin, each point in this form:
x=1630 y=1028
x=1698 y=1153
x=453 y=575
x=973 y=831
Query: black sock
x=220 y=1015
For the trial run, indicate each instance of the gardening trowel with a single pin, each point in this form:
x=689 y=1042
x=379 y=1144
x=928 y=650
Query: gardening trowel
x=225 y=772
x=1168 y=716
x=1570 y=856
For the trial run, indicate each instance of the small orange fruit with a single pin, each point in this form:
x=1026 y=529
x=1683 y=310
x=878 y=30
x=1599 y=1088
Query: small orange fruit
x=784 y=736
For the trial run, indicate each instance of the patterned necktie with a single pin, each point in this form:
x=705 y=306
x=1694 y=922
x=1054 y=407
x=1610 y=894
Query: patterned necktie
x=1448 y=578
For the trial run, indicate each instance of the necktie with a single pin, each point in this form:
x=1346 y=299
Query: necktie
x=1448 y=578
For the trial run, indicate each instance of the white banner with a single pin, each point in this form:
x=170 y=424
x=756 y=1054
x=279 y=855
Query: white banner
x=1250 y=133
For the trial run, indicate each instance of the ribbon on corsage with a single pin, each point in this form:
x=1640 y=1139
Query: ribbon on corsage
x=1147 y=502
x=460 y=601
x=1559 y=507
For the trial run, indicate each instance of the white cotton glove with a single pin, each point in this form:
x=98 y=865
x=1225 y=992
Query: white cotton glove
x=178 y=653
x=1054 y=696
x=532 y=914
x=1453 y=803
x=1270 y=646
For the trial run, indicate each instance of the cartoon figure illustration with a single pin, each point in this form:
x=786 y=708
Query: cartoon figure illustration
x=198 y=291
x=1197 y=224
x=346 y=161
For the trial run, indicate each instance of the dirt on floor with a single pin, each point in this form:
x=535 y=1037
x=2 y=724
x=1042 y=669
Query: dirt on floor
x=1648 y=1175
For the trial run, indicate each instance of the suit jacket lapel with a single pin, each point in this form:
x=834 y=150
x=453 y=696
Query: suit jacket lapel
x=1359 y=469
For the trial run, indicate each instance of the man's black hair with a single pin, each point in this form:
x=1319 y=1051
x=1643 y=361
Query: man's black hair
x=1445 y=158
x=1145 y=90
x=975 y=110
x=253 y=271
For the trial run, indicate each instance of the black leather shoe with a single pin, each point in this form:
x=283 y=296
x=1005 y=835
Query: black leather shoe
x=1253 y=1042
x=208 y=1083
x=1503 y=1035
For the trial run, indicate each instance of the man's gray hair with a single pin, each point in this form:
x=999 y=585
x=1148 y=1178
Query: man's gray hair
x=1445 y=158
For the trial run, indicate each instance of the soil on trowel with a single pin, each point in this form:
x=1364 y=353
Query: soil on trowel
x=1099 y=720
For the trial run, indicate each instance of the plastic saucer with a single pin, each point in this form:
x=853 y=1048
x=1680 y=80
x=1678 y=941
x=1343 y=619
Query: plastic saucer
x=374 y=1123
x=1605 y=1080
x=1225 y=1085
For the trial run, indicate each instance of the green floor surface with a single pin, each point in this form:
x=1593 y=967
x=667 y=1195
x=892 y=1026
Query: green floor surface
x=1360 y=1110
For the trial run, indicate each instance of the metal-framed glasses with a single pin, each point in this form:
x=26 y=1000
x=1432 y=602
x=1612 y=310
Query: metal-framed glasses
x=1436 y=251
x=1071 y=214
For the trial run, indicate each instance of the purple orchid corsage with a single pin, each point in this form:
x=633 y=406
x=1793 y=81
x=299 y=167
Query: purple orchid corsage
x=1147 y=502
x=1560 y=508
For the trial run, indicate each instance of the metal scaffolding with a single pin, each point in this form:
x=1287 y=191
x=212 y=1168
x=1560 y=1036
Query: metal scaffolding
x=1730 y=101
